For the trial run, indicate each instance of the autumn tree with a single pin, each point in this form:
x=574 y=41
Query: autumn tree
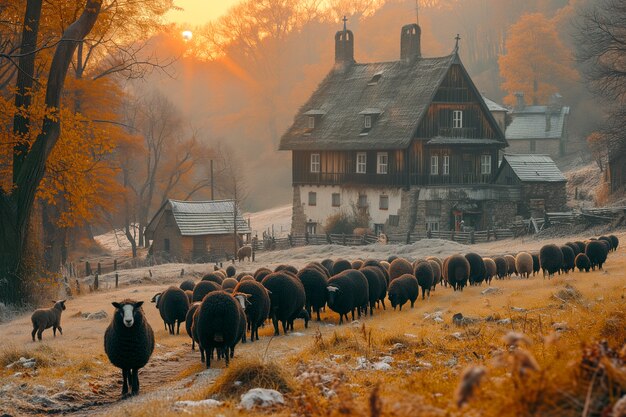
x=28 y=167
x=536 y=61
x=599 y=146
x=601 y=41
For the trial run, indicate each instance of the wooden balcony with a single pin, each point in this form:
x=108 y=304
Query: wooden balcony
x=399 y=180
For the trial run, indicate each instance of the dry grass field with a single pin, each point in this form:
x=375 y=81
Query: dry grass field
x=536 y=347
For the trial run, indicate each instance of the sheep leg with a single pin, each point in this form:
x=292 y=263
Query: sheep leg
x=60 y=330
x=318 y=315
x=54 y=331
x=285 y=326
x=193 y=344
x=201 y=353
x=178 y=328
x=125 y=379
x=33 y=333
x=412 y=303
x=275 y=323
x=39 y=333
x=135 y=381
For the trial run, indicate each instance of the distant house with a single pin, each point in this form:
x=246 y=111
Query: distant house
x=196 y=231
x=542 y=183
x=498 y=111
x=538 y=129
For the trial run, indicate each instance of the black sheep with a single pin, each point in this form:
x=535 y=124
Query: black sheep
x=551 y=259
x=202 y=288
x=477 y=268
x=458 y=271
x=129 y=342
x=501 y=266
x=510 y=262
x=608 y=241
x=581 y=246
x=341 y=295
x=319 y=267
x=218 y=324
x=377 y=264
x=574 y=247
x=261 y=273
x=614 y=242
x=189 y=322
x=399 y=267
x=361 y=295
x=173 y=305
x=288 y=268
x=425 y=277
x=213 y=277
x=568 y=258
x=341 y=265
x=436 y=266
x=229 y=284
x=536 y=263
x=391 y=258
x=230 y=271
x=597 y=252
x=403 y=289
x=375 y=285
x=189 y=295
x=315 y=283
x=259 y=308
x=357 y=264
x=328 y=264
x=187 y=285
x=287 y=297
x=582 y=262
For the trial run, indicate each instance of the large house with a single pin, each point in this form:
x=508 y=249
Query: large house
x=538 y=129
x=411 y=142
x=196 y=231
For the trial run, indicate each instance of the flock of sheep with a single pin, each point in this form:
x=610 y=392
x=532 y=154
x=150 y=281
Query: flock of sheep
x=224 y=306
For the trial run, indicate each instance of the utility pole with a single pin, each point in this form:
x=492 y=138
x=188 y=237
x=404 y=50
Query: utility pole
x=212 y=183
x=236 y=238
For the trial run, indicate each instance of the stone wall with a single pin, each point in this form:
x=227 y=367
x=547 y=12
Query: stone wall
x=553 y=194
x=406 y=213
x=549 y=147
x=298 y=218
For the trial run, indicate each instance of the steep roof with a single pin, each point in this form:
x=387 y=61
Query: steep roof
x=199 y=218
x=530 y=123
x=493 y=106
x=533 y=168
x=402 y=93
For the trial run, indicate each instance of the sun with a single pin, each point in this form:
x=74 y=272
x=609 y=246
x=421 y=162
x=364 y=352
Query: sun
x=187 y=35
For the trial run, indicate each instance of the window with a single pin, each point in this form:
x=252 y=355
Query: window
x=446 y=165
x=367 y=122
x=457 y=119
x=432 y=226
x=384 y=202
x=394 y=220
x=311 y=122
x=383 y=162
x=361 y=163
x=378 y=228
x=312 y=198
x=433 y=208
x=362 y=203
x=166 y=245
x=434 y=165
x=315 y=163
x=311 y=228
x=485 y=164
x=336 y=199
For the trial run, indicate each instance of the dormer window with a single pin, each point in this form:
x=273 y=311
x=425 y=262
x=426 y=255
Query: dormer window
x=313 y=119
x=367 y=123
x=311 y=122
x=369 y=118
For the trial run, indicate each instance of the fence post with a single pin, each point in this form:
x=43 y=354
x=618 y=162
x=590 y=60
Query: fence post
x=471 y=237
x=99 y=269
x=114 y=264
x=306 y=238
x=452 y=235
x=117 y=279
x=328 y=239
x=96 y=284
x=343 y=239
x=290 y=240
x=182 y=272
x=87 y=269
x=408 y=237
x=77 y=287
x=253 y=249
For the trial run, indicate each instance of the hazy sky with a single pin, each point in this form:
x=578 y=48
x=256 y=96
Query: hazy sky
x=197 y=12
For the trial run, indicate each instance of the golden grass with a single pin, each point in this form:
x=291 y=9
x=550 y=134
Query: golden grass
x=244 y=374
x=43 y=354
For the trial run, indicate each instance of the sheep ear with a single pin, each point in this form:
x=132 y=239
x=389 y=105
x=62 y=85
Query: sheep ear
x=116 y=304
x=138 y=304
x=62 y=301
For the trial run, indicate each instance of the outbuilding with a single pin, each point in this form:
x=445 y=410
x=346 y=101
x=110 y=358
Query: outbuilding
x=541 y=181
x=197 y=231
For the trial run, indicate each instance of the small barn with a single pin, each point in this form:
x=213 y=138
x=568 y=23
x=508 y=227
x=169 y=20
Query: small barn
x=196 y=231
x=542 y=183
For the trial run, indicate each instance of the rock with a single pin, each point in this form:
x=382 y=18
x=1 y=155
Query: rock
x=459 y=320
x=504 y=321
x=452 y=362
x=398 y=347
x=23 y=362
x=457 y=335
x=410 y=335
x=355 y=323
x=261 y=397
x=491 y=290
x=43 y=401
x=560 y=327
x=361 y=363
x=296 y=334
x=209 y=403
x=381 y=366
x=99 y=315
x=519 y=309
x=386 y=359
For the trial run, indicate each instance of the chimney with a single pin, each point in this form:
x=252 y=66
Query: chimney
x=520 y=103
x=548 y=120
x=410 y=47
x=344 y=46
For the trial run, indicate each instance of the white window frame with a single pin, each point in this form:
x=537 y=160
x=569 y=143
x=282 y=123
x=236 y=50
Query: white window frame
x=382 y=163
x=315 y=163
x=367 y=121
x=311 y=122
x=361 y=163
x=485 y=164
x=434 y=165
x=432 y=225
x=446 y=165
x=457 y=119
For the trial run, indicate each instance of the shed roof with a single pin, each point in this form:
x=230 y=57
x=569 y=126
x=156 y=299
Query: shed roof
x=530 y=123
x=533 y=168
x=401 y=96
x=199 y=218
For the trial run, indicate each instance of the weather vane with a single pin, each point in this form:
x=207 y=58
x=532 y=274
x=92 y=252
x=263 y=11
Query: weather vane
x=457 y=39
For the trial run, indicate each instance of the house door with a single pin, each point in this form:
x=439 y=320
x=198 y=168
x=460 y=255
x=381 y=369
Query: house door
x=199 y=250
